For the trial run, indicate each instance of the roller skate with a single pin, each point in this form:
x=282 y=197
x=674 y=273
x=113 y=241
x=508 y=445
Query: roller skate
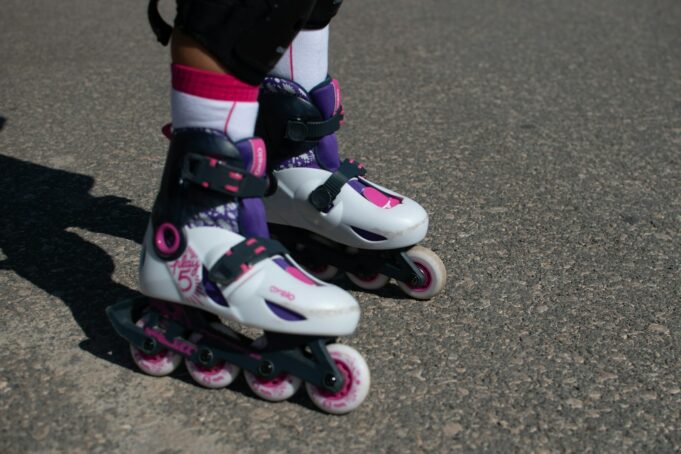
x=206 y=257
x=325 y=211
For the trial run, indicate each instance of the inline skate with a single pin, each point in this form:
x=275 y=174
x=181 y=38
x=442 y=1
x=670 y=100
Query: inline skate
x=207 y=255
x=324 y=210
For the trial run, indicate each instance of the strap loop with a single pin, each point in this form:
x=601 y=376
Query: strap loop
x=216 y=175
x=301 y=131
x=242 y=256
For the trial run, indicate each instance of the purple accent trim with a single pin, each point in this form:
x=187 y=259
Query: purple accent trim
x=324 y=97
x=306 y=159
x=161 y=237
x=368 y=235
x=356 y=185
x=212 y=290
x=223 y=216
x=252 y=218
x=283 y=313
x=327 y=153
x=283 y=264
x=275 y=84
x=246 y=152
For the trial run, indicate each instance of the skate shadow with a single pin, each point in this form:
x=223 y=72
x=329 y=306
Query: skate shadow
x=39 y=204
x=3 y=120
x=389 y=291
x=240 y=386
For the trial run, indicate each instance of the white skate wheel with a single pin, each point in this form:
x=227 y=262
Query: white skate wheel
x=323 y=272
x=433 y=269
x=369 y=282
x=275 y=389
x=357 y=381
x=219 y=375
x=162 y=363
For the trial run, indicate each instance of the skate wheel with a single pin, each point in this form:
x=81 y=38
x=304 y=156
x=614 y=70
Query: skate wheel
x=433 y=269
x=323 y=272
x=355 y=387
x=219 y=375
x=368 y=282
x=274 y=389
x=162 y=363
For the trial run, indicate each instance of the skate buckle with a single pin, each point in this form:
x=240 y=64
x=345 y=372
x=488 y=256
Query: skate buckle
x=323 y=196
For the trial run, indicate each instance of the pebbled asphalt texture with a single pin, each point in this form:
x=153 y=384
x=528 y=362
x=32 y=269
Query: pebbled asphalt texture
x=543 y=138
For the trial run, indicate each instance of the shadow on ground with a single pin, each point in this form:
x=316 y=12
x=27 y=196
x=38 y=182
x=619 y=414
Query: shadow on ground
x=39 y=204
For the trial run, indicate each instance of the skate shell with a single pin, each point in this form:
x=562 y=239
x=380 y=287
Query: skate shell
x=401 y=226
x=266 y=296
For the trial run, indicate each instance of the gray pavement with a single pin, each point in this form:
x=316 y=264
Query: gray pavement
x=543 y=138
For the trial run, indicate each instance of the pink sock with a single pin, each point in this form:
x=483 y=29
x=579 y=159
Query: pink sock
x=205 y=99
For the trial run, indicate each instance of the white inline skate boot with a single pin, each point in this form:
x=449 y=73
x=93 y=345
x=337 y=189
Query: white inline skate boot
x=325 y=211
x=207 y=256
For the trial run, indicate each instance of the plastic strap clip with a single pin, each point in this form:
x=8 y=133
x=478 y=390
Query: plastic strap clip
x=216 y=175
x=242 y=256
x=323 y=196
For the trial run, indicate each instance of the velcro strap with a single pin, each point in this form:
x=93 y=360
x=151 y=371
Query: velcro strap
x=160 y=28
x=216 y=175
x=300 y=130
x=322 y=197
x=241 y=257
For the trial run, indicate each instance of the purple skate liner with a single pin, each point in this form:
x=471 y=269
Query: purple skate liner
x=327 y=98
x=212 y=289
x=223 y=216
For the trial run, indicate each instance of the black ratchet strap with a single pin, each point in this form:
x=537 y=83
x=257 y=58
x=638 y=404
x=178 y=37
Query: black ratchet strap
x=322 y=197
x=301 y=130
x=160 y=28
x=216 y=175
x=241 y=257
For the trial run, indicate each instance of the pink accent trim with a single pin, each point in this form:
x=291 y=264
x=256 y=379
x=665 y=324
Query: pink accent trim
x=211 y=85
x=348 y=379
x=427 y=275
x=379 y=199
x=259 y=161
x=244 y=268
x=250 y=241
x=259 y=250
x=213 y=162
x=290 y=59
x=160 y=238
x=228 y=252
x=167 y=130
x=235 y=175
x=295 y=272
x=229 y=117
x=204 y=184
x=231 y=188
x=337 y=96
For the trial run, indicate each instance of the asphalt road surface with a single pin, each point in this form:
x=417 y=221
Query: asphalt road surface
x=543 y=137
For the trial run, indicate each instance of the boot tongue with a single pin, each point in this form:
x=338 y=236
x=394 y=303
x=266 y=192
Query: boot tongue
x=327 y=98
x=253 y=155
